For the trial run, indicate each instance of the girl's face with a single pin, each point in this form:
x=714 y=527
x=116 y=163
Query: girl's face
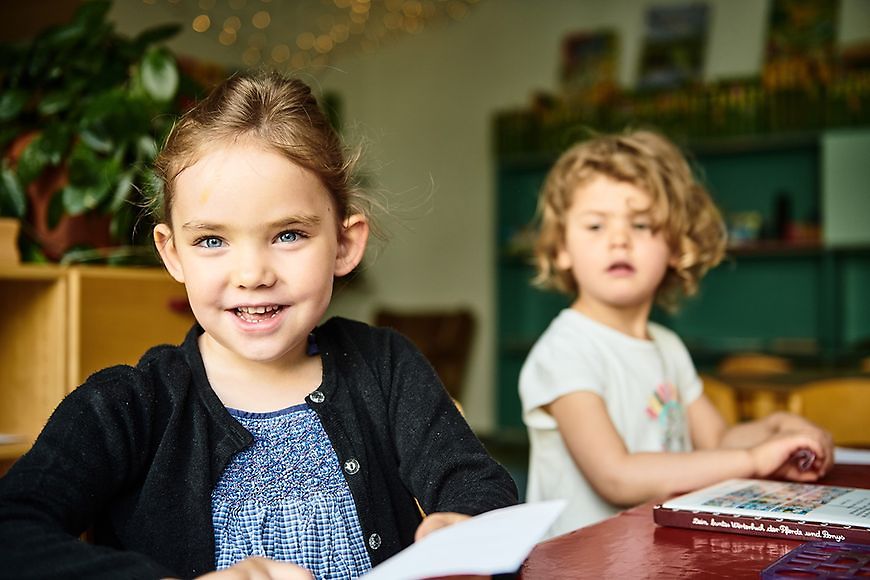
x=615 y=256
x=256 y=241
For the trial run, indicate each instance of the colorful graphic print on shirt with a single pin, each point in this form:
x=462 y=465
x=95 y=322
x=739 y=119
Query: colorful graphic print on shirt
x=664 y=404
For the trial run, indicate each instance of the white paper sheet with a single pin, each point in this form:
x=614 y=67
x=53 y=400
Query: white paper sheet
x=496 y=542
x=849 y=456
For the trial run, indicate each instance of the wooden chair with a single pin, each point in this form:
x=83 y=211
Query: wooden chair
x=840 y=405
x=759 y=402
x=724 y=398
x=752 y=363
x=444 y=337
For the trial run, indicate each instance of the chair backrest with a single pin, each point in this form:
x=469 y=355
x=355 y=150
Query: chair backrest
x=751 y=363
x=724 y=398
x=840 y=405
x=444 y=338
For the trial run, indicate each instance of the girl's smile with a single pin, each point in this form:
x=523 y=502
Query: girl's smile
x=257 y=315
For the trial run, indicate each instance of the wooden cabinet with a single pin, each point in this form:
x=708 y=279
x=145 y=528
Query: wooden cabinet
x=60 y=324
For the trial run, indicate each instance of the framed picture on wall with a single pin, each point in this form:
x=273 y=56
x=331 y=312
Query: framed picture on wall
x=589 y=61
x=801 y=39
x=674 y=48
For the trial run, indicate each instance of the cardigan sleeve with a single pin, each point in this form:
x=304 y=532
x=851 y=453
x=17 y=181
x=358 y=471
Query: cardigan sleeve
x=78 y=465
x=440 y=459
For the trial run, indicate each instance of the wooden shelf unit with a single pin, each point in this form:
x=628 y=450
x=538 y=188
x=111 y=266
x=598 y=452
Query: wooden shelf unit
x=63 y=323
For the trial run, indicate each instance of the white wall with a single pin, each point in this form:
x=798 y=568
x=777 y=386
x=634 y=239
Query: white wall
x=425 y=105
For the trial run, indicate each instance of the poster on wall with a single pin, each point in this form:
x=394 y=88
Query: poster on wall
x=589 y=61
x=801 y=41
x=675 y=42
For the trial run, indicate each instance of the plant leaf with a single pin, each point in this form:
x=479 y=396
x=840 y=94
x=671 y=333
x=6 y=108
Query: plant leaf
x=146 y=148
x=11 y=104
x=159 y=75
x=92 y=14
x=122 y=191
x=79 y=199
x=55 y=142
x=33 y=160
x=12 y=198
x=97 y=142
x=54 y=103
x=55 y=210
x=157 y=34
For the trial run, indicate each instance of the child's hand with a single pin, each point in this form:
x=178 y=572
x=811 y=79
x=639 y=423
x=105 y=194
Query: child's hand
x=437 y=521
x=774 y=457
x=791 y=423
x=258 y=568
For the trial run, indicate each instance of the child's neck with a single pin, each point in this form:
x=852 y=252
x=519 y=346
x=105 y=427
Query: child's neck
x=259 y=386
x=627 y=320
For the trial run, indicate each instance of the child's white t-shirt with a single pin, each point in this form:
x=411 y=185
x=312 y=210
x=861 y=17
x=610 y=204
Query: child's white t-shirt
x=645 y=384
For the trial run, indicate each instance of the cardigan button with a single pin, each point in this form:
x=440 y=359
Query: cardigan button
x=374 y=541
x=317 y=397
x=351 y=466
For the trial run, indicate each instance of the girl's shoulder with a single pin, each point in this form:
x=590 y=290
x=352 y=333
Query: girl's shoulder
x=664 y=337
x=344 y=333
x=161 y=372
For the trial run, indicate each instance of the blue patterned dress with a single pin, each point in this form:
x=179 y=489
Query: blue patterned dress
x=285 y=497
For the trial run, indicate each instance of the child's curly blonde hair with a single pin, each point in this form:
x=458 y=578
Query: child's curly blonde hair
x=680 y=206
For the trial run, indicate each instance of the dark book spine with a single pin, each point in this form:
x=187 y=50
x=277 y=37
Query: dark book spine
x=760 y=526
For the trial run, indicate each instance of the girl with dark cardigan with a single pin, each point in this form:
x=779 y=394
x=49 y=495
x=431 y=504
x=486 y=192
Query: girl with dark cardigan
x=266 y=445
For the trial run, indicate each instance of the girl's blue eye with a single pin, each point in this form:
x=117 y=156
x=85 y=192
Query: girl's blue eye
x=210 y=242
x=641 y=226
x=288 y=237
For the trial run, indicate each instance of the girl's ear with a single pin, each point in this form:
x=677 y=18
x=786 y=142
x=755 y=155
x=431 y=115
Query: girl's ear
x=165 y=242
x=563 y=259
x=352 y=238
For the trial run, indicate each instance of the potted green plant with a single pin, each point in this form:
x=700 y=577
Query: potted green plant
x=82 y=111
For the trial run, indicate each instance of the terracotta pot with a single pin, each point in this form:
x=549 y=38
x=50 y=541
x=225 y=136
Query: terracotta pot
x=90 y=228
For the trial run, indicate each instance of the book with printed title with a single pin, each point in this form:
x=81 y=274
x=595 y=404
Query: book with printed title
x=794 y=511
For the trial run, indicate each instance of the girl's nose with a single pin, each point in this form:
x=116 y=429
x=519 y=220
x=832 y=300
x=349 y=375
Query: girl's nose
x=253 y=270
x=619 y=236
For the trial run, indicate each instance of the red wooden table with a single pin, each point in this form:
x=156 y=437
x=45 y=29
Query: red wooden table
x=631 y=545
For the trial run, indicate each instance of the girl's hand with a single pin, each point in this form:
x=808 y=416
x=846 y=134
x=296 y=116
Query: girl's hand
x=259 y=568
x=773 y=458
x=791 y=423
x=437 y=521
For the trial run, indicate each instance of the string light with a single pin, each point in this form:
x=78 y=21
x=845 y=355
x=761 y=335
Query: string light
x=331 y=27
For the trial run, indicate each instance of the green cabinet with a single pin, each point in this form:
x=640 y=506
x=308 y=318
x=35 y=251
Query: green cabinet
x=807 y=299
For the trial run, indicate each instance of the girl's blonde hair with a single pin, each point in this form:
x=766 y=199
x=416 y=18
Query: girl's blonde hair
x=680 y=207
x=279 y=112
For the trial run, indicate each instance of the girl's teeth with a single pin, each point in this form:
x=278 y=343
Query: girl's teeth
x=257 y=309
x=256 y=313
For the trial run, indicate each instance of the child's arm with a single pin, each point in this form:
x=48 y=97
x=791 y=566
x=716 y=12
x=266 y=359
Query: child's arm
x=754 y=432
x=440 y=459
x=708 y=434
x=624 y=478
x=50 y=495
